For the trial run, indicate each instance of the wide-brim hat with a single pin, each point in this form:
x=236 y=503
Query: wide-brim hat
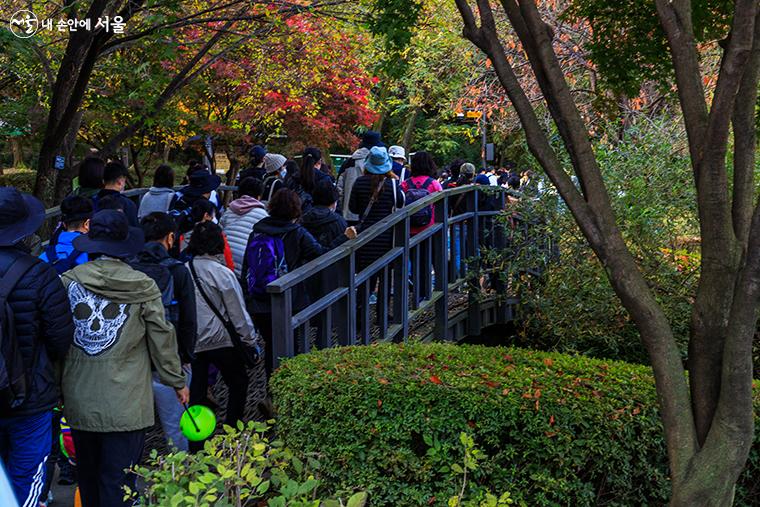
x=20 y=215
x=397 y=152
x=110 y=234
x=202 y=182
x=378 y=161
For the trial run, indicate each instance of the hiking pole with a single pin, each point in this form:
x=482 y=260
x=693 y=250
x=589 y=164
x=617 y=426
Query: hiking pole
x=192 y=419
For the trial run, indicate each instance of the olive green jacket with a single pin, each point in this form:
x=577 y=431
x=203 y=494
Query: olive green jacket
x=120 y=327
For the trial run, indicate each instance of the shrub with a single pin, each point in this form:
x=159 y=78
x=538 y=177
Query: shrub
x=555 y=429
x=21 y=179
x=239 y=467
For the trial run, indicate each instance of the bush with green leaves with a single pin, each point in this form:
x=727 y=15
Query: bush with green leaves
x=239 y=467
x=573 y=307
x=554 y=429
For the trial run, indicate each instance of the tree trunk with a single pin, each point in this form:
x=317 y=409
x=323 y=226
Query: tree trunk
x=65 y=176
x=18 y=153
x=409 y=130
x=709 y=424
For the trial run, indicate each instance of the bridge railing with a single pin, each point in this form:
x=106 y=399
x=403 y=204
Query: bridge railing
x=415 y=277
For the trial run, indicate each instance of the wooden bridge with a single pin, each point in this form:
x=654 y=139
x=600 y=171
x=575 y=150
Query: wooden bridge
x=418 y=279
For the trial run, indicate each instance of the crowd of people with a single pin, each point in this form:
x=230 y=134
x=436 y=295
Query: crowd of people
x=131 y=307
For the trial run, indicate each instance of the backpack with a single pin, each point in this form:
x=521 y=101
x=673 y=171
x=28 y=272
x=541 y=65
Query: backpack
x=269 y=184
x=265 y=256
x=161 y=273
x=180 y=210
x=14 y=377
x=62 y=264
x=415 y=193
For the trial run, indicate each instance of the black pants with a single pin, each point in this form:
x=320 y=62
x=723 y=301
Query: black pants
x=232 y=367
x=101 y=460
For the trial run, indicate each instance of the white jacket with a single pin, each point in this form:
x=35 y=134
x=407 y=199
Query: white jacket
x=237 y=224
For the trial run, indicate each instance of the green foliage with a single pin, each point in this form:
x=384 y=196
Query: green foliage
x=394 y=21
x=557 y=429
x=628 y=43
x=21 y=179
x=574 y=308
x=240 y=467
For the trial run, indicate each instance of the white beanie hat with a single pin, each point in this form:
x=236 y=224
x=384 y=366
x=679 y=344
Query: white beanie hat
x=273 y=162
x=397 y=152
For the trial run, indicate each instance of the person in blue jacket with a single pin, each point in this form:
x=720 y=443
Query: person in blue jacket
x=76 y=212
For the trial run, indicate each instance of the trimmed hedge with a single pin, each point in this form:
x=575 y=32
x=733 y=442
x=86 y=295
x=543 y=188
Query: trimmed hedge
x=557 y=429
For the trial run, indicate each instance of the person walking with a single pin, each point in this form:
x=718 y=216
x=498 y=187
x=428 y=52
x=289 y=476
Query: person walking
x=160 y=195
x=398 y=156
x=256 y=167
x=375 y=196
x=421 y=184
x=241 y=215
x=76 y=212
x=114 y=182
x=120 y=329
x=221 y=312
x=321 y=220
x=33 y=293
x=178 y=297
x=274 y=164
x=89 y=180
x=304 y=178
x=278 y=244
x=202 y=185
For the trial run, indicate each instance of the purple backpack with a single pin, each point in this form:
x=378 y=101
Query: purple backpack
x=265 y=256
x=415 y=193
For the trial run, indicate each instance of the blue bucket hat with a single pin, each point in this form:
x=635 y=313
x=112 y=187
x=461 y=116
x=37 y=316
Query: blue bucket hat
x=378 y=161
x=110 y=234
x=20 y=215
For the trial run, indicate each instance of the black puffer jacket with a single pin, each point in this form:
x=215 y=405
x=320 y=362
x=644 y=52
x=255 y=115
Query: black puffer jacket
x=324 y=224
x=300 y=248
x=184 y=294
x=43 y=321
x=390 y=197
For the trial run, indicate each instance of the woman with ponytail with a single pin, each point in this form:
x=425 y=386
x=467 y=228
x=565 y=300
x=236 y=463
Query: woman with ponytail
x=305 y=179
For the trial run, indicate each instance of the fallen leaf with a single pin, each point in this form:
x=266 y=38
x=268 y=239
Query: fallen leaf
x=329 y=372
x=491 y=383
x=379 y=403
x=548 y=361
x=551 y=420
x=383 y=380
x=435 y=380
x=505 y=392
x=471 y=423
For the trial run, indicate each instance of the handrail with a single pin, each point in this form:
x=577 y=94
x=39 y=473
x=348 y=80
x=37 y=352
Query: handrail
x=292 y=278
x=326 y=302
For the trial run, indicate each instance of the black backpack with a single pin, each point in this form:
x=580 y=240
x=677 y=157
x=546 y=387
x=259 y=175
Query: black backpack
x=14 y=377
x=180 y=210
x=161 y=273
x=62 y=264
x=415 y=193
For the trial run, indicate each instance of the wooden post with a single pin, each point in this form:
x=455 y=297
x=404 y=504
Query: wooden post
x=282 y=327
x=440 y=264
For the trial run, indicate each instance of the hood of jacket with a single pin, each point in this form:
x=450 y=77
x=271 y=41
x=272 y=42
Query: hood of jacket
x=160 y=191
x=274 y=227
x=152 y=252
x=115 y=280
x=318 y=215
x=360 y=154
x=245 y=204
